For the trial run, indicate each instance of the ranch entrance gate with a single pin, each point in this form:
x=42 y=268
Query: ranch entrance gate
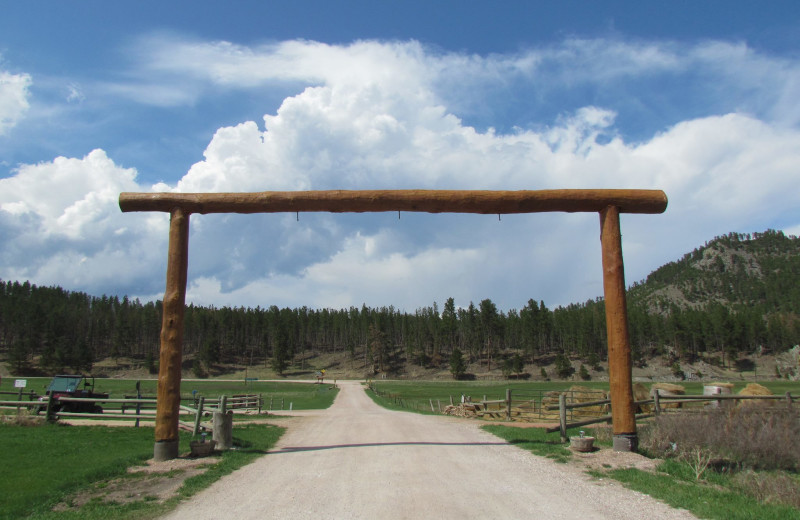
x=609 y=204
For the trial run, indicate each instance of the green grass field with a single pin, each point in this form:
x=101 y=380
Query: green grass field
x=45 y=465
x=302 y=396
x=417 y=394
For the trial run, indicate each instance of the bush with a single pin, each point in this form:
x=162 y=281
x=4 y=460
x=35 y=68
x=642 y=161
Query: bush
x=742 y=437
x=770 y=487
x=563 y=366
x=199 y=370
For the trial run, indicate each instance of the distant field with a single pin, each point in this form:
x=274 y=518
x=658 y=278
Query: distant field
x=302 y=396
x=417 y=394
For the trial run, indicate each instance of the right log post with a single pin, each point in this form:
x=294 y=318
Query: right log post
x=620 y=377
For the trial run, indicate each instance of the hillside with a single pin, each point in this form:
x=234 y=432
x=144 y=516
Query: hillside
x=708 y=313
x=739 y=271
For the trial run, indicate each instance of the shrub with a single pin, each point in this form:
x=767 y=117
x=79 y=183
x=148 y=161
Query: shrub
x=769 y=487
x=563 y=366
x=199 y=370
x=742 y=437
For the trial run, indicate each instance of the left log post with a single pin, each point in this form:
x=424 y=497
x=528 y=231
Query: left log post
x=169 y=368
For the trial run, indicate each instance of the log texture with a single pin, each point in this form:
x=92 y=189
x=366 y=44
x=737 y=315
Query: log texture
x=169 y=367
x=619 y=348
x=425 y=201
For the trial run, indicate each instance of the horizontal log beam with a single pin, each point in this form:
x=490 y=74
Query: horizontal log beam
x=425 y=201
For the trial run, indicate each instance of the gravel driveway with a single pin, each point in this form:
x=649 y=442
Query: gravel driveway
x=358 y=460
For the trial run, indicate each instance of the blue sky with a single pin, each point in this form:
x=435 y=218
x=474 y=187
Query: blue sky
x=696 y=98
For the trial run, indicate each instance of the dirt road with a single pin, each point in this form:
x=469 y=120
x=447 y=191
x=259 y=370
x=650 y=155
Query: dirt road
x=358 y=460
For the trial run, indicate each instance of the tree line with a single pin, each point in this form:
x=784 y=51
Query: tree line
x=50 y=329
x=739 y=293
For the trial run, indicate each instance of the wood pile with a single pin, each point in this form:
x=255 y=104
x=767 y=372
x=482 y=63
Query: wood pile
x=462 y=410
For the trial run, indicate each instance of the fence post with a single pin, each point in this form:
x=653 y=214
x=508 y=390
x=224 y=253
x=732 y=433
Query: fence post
x=198 y=415
x=260 y=402
x=223 y=404
x=508 y=404
x=138 y=404
x=562 y=416
x=431 y=401
x=50 y=404
x=789 y=400
x=657 y=402
x=451 y=400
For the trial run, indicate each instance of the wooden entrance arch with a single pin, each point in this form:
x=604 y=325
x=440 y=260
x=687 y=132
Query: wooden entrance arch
x=609 y=204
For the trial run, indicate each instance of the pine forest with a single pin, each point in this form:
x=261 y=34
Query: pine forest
x=739 y=293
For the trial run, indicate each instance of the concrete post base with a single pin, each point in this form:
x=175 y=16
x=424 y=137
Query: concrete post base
x=626 y=442
x=165 y=450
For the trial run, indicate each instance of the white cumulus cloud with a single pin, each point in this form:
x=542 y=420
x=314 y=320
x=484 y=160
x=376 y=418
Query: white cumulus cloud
x=373 y=115
x=14 y=95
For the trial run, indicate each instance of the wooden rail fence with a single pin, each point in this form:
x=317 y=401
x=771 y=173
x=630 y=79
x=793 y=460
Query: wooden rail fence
x=138 y=408
x=570 y=409
x=655 y=402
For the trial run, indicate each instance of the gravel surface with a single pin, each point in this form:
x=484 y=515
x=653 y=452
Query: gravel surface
x=358 y=460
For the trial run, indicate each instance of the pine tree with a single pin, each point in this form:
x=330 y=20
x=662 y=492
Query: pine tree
x=457 y=365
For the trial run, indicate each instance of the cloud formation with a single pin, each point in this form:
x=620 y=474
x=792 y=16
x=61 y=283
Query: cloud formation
x=388 y=115
x=14 y=96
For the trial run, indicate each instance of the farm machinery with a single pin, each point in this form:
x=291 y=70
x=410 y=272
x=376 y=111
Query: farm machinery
x=73 y=386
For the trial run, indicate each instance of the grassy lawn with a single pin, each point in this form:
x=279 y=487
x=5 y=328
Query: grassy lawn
x=719 y=499
x=536 y=440
x=302 y=396
x=416 y=395
x=44 y=465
